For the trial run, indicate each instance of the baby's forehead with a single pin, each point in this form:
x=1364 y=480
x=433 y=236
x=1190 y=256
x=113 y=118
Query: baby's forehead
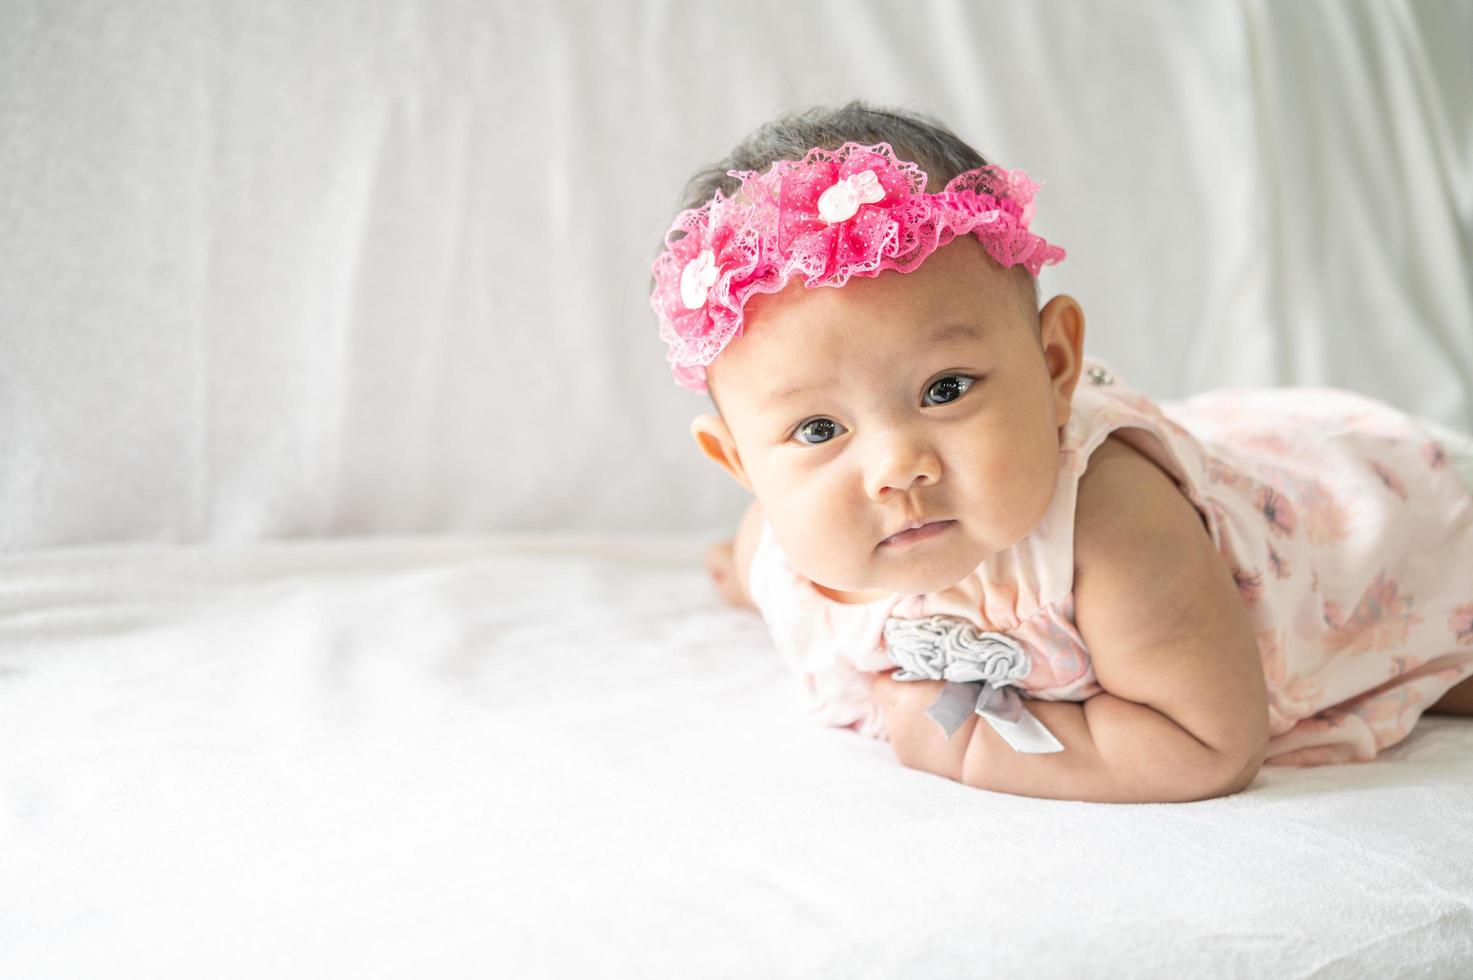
x=801 y=335
x=782 y=370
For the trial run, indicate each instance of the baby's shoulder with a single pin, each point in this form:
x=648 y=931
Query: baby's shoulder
x=1147 y=571
x=1123 y=488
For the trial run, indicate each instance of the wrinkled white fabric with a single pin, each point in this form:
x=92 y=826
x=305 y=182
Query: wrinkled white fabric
x=557 y=758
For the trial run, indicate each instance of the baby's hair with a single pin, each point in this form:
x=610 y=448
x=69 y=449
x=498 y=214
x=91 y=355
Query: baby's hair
x=913 y=136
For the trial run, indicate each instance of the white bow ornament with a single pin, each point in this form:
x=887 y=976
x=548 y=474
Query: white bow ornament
x=697 y=278
x=841 y=201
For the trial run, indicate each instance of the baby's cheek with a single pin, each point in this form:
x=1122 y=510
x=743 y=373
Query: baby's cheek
x=1029 y=490
x=824 y=540
x=815 y=557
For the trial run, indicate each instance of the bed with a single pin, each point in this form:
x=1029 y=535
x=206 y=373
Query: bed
x=557 y=756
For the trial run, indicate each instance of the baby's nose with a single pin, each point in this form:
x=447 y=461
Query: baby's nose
x=903 y=461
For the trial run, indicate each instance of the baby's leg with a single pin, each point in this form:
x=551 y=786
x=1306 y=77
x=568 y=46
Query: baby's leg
x=1459 y=449
x=1457 y=701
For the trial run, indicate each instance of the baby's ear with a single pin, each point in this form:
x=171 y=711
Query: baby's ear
x=714 y=439
x=1061 y=335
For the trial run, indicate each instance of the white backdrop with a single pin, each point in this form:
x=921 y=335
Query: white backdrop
x=278 y=269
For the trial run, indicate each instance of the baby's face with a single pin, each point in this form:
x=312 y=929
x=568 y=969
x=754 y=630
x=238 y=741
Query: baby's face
x=931 y=395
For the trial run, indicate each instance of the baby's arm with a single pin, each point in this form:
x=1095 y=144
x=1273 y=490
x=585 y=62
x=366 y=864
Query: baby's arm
x=1183 y=715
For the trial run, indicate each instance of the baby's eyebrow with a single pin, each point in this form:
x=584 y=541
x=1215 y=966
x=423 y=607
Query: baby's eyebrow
x=787 y=393
x=960 y=330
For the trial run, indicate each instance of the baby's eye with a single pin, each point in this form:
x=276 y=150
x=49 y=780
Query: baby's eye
x=822 y=429
x=950 y=388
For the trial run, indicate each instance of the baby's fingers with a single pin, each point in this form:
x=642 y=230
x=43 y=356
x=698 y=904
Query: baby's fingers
x=918 y=742
x=885 y=690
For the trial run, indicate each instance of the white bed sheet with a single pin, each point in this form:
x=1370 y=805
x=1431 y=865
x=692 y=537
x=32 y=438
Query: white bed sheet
x=561 y=756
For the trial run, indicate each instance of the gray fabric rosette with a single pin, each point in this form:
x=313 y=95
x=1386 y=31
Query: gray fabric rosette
x=980 y=668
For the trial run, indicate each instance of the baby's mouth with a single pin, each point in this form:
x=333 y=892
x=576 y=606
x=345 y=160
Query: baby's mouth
x=914 y=536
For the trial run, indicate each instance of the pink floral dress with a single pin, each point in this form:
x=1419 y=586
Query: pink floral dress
x=1345 y=525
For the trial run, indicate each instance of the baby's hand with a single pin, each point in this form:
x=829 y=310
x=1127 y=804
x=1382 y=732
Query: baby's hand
x=721 y=566
x=919 y=742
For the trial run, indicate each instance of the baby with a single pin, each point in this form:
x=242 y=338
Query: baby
x=975 y=541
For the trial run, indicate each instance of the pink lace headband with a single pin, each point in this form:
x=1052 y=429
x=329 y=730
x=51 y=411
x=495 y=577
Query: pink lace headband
x=854 y=211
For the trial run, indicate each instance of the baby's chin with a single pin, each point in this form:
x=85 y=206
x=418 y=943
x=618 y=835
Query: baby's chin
x=926 y=573
x=919 y=577
x=932 y=567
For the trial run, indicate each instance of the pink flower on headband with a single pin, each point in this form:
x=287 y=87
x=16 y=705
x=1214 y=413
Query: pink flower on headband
x=701 y=281
x=834 y=214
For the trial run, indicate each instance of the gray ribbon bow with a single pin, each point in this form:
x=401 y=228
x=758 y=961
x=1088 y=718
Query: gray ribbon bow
x=979 y=668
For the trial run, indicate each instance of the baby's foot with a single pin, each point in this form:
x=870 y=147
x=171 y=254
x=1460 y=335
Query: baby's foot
x=721 y=566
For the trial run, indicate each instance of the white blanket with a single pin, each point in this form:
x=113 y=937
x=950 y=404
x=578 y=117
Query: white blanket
x=557 y=757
